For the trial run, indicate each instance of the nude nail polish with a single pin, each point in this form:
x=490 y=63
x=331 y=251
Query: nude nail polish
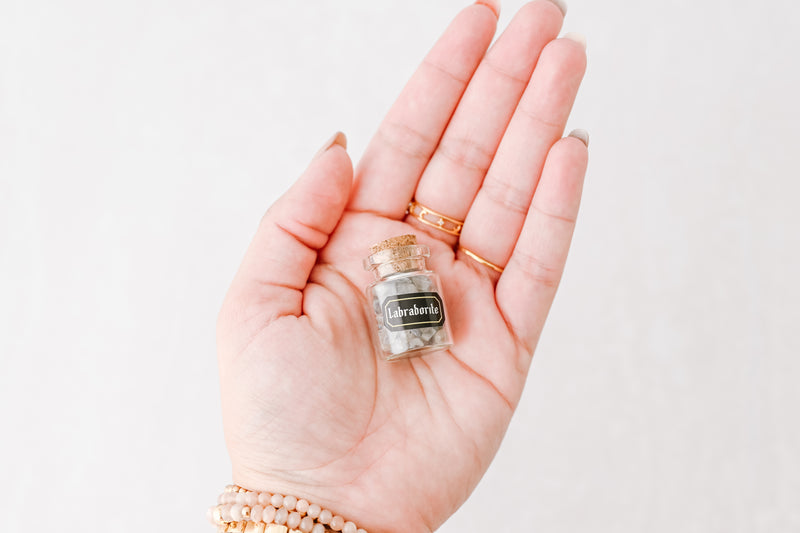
x=561 y=4
x=580 y=134
x=337 y=138
x=577 y=37
x=494 y=5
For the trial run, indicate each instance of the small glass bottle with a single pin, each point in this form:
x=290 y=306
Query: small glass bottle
x=406 y=299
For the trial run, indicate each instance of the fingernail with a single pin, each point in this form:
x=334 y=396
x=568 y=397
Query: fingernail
x=581 y=135
x=337 y=138
x=577 y=37
x=494 y=5
x=562 y=5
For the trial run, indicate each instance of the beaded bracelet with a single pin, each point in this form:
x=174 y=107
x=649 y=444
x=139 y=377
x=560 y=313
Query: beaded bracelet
x=240 y=510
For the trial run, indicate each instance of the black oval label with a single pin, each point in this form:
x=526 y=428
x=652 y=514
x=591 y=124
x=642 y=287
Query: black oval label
x=413 y=310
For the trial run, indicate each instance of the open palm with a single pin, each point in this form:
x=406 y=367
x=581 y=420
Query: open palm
x=310 y=409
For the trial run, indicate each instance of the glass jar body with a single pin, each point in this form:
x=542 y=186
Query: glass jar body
x=410 y=314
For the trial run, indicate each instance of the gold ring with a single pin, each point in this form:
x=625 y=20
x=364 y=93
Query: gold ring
x=481 y=260
x=431 y=218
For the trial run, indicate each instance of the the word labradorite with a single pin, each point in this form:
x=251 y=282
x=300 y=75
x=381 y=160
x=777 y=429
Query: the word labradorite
x=416 y=309
x=394 y=313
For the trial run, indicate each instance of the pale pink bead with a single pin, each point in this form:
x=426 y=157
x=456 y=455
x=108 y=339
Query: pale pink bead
x=306 y=524
x=289 y=502
x=281 y=515
x=325 y=516
x=349 y=527
x=294 y=520
x=276 y=500
x=337 y=523
x=241 y=497
x=210 y=515
x=256 y=513
x=302 y=506
x=252 y=499
x=226 y=513
x=236 y=512
x=263 y=498
x=268 y=515
x=318 y=528
x=314 y=510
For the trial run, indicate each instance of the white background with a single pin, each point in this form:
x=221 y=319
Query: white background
x=140 y=142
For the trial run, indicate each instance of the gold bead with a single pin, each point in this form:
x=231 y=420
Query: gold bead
x=246 y=512
x=275 y=528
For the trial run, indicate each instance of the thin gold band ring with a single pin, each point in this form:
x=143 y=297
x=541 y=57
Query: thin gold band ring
x=481 y=260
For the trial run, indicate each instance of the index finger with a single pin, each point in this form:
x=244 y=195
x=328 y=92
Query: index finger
x=392 y=163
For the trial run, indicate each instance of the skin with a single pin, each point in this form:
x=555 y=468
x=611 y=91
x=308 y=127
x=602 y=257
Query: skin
x=309 y=407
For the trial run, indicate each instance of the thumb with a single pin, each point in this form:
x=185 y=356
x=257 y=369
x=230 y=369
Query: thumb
x=279 y=260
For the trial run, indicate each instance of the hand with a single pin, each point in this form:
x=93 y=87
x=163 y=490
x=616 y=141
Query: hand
x=310 y=409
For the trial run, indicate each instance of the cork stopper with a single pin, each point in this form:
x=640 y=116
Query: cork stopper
x=397 y=254
x=393 y=242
